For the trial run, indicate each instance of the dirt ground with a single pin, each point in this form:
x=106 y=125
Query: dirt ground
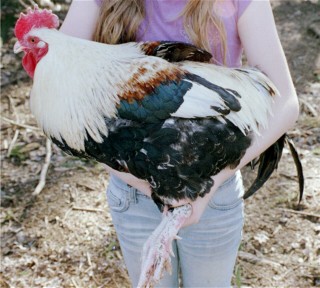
x=64 y=236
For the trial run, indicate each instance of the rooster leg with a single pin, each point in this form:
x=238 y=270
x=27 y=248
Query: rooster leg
x=158 y=248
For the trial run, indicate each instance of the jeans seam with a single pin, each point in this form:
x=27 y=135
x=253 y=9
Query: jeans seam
x=225 y=207
x=121 y=205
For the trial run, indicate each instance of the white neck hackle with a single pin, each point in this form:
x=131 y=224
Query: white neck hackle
x=71 y=94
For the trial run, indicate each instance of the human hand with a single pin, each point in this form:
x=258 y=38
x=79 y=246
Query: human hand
x=198 y=207
x=201 y=203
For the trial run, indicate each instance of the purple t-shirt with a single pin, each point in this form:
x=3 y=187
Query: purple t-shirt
x=162 y=22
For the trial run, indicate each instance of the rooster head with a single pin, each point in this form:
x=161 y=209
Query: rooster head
x=33 y=47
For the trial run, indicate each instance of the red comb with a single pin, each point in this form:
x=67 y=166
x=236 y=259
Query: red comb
x=35 y=18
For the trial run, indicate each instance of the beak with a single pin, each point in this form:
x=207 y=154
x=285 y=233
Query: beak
x=17 y=48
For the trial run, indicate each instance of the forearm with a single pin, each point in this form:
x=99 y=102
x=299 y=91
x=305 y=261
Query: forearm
x=263 y=49
x=81 y=19
x=284 y=116
x=278 y=125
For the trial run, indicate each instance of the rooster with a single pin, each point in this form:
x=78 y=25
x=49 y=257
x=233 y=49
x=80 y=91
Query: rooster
x=157 y=110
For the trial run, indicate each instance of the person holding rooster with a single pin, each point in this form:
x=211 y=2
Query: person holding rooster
x=207 y=252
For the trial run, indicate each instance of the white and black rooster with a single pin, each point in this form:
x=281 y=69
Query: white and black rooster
x=156 y=110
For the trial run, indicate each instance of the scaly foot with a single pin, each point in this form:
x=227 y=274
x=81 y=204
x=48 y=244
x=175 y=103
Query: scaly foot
x=158 y=248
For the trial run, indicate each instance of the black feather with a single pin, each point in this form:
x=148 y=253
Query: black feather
x=229 y=96
x=298 y=164
x=268 y=162
x=173 y=51
x=177 y=157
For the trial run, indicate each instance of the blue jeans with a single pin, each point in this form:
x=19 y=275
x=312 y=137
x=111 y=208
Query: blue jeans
x=207 y=252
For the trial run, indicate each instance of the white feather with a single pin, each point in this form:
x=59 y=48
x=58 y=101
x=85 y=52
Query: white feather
x=197 y=103
x=256 y=102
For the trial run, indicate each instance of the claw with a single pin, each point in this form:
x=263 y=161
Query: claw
x=171 y=252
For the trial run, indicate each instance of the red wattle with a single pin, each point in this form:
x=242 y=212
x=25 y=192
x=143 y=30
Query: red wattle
x=31 y=59
x=29 y=63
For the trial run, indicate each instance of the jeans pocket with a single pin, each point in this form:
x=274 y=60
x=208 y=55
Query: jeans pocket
x=229 y=194
x=117 y=199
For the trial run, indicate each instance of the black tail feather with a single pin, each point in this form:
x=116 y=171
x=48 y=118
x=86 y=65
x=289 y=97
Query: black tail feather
x=268 y=162
x=298 y=164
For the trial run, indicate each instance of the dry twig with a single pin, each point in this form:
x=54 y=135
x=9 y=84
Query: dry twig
x=14 y=140
x=44 y=169
x=285 y=274
x=74 y=283
x=255 y=259
x=309 y=107
x=19 y=124
x=89 y=259
x=88 y=209
x=300 y=212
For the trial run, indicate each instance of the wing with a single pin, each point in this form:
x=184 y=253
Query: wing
x=157 y=104
x=243 y=96
x=158 y=90
x=239 y=90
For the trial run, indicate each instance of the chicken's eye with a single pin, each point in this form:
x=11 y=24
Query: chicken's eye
x=32 y=40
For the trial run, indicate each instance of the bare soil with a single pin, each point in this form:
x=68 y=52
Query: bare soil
x=64 y=236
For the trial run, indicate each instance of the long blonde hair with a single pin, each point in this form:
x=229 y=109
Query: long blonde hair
x=119 y=21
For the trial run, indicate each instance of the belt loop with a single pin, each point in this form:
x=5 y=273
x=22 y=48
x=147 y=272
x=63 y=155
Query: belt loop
x=132 y=195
